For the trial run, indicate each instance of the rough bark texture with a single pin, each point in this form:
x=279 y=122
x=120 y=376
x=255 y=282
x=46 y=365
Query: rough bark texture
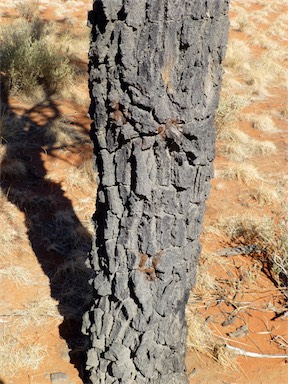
x=155 y=71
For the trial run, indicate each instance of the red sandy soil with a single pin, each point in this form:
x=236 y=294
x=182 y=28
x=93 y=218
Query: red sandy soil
x=257 y=302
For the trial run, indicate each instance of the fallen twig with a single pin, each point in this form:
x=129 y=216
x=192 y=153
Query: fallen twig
x=240 y=351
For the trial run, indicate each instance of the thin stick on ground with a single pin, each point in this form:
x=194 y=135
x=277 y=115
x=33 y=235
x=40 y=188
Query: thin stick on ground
x=243 y=352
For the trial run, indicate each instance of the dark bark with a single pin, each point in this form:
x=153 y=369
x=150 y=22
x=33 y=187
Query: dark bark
x=155 y=72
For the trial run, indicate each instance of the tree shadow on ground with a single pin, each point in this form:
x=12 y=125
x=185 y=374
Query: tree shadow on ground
x=58 y=239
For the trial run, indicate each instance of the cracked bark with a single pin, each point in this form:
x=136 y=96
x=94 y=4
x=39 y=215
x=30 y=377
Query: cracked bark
x=154 y=78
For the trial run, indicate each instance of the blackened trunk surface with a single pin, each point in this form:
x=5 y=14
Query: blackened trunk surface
x=155 y=71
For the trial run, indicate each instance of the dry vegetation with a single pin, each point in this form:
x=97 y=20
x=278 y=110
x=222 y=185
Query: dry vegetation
x=42 y=62
x=246 y=139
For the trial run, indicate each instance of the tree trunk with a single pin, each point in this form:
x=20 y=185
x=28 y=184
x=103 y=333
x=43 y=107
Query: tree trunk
x=155 y=71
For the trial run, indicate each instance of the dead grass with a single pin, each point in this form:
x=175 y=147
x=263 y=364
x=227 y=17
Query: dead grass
x=36 y=313
x=28 y=10
x=279 y=28
x=245 y=228
x=19 y=275
x=245 y=172
x=260 y=39
x=243 y=23
x=269 y=236
x=82 y=177
x=207 y=289
x=202 y=339
x=264 y=73
x=238 y=52
x=228 y=110
x=63 y=133
x=238 y=146
x=262 y=122
x=265 y=195
x=12 y=232
x=16 y=354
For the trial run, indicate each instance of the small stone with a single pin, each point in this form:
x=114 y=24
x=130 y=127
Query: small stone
x=59 y=378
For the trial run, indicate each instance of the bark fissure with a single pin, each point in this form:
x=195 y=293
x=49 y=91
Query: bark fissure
x=154 y=78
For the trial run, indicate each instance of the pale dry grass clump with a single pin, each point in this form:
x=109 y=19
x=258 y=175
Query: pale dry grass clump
x=228 y=110
x=245 y=172
x=246 y=228
x=230 y=84
x=28 y=10
x=262 y=122
x=260 y=39
x=19 y=275
x=78 y=94
x=243 y=23
x=264 y=195
x=206 y=282
x=270 y=238
x=279 y=27
x=238 y=52
x=264 y=73
x=238 y=146
x=202 y=339
x=260 y=17
x=239 y=151
x=37 y=313
x=200 y=336
x=17 y=354
x=83 y=176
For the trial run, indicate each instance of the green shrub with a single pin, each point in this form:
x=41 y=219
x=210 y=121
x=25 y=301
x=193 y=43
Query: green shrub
x=28 y=59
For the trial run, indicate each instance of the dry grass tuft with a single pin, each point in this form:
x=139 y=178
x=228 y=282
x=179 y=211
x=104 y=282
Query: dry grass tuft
x=279 y=28
x=12 y=233
x=244 y=229
x=238 y=52
x=228 y=110
x=264 y=195
x=239 y=146
x=202 y=339
x=18 y=274
x=260 y=39
x=28 y=10
x=263 y=73
x=63 y=133
x=244 y=172
x=82 y=177
x=207 y=282
x=270 y=238
x=262 y=122
x=16 y=354
x=37 y=313
x=243 y=23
